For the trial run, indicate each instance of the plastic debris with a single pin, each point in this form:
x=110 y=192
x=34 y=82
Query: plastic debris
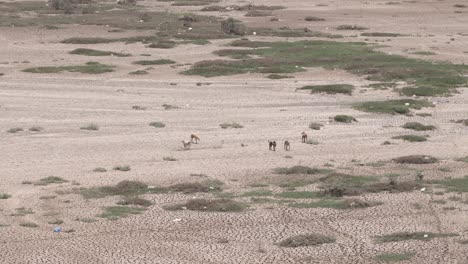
x=58 y=229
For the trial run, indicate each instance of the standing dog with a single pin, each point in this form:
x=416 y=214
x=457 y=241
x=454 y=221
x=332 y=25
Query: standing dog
x=272 y=145
x=194 y=137
x=304 y=137
x=287 y=145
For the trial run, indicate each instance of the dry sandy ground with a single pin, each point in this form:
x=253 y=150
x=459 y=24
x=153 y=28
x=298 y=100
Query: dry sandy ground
x=268 y=109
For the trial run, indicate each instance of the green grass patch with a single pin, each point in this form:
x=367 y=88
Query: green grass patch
x=138 y=72
x=459 y=185
x=196 y=187
x=415 y=159
x=260 y=192
x=424 y=53
x=50 y=180
x=134 y=200
x=88 y=68
x=157 y=124
x=154 y=62
x=117 y=212
x=275 y=76
x=351 y=27
x=4 y=196
x=394 y=257
x=402 y=106
x=299 y=195
x=299 y=170
x=381 y=34
x=330 y=88
x=258 y=13
x=405 y=236
x=14 y=130
x=382 y=85
x=93 y=52
x=355 y=57
x=209 y=205
x=28 y=224
x=92 y=127
x=418 y=126
x=411 y=138
x=306 y=240
x=344 y=119
x=122 y=168
x=313 y=19
x=231 y=125
x=464 y=159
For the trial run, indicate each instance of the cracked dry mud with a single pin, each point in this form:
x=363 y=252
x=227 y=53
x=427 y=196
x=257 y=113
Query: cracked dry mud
x=268 y=109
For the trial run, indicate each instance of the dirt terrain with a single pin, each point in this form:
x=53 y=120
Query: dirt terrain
x=268 y=109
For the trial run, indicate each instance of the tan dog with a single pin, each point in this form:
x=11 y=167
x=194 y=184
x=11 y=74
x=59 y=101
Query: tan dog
x=194 y=137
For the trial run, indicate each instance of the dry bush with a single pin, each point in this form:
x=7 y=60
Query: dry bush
x=415 y=159
x=306 y=240
x=233 y=27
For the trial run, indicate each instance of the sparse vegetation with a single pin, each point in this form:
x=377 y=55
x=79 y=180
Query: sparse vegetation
x=117 y=212
x=344 y=119
x=299 y=195
x=418 y=126
x=194 y=187
x=381 y=34
x=275 y=76
x=36 y=129
x=424 y=53
x=299 y=170
x=50 y=180
x=403 y=236
x=28 y=224
x=462 y=121
x=55 y=222
x=402 y=106
x=99 y=169
x=138 y=72
x=233 y=27
x=231 y=125
x=411 y=138
x=157 y=124
x=458 y=185
x=125 y=188
x=154 y=62
x=315 y=126
x=314 y=19
x=258 y=13
x=122 y=168
x=394 y=257
x=382 y=85
x=330 y=88
x=351 y=27
x=91 y=126
x=312 y=142
x=415 y=159
x=93 y=52
x=134 y=200
x=4 y=196
x=212 y=205
x=169 y=159
x=306 y=240
x=14 y=130
x=89 y=67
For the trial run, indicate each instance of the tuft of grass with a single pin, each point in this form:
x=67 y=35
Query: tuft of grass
x=312 y=142
x=394 y=257
x=423 y=114
x=22 y=211
x=157 y=124
x=459 y=185
x=426 y=91
x=231 y=125
x=382 y=85
x=299 y=170
x=330 y=88
x=117 y=212
x=50 y=180
x=404 y=236
x=125 y=188
x=195 y=187
x=315 y=126
x=169 y=159
x=275 y=76
x=259 y=192
x=344 y=119
x=299 y=195
x=418 y=126
x=350 y=27
x=424 y=53
x=134 y=200
x=154 y=62
x=464 y=159
x=411 y=138
x=28 y=224
x=306 y=240
x=258 y=13
x=138 y=72
x=381 y=34
x=314 y=19
x=14 y=130
x=93 y=52
x=55 y=222
x=402 y=106
x=122 y=168
x=462 y=121
x=212 y=205
x=36 y=129
x=91 y=126
x=89 y=68
x=415 y=159
x=47 y=197
x=4 y=196
x=99 y=169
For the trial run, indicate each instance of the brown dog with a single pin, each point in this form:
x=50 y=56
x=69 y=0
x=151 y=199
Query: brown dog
x=194 y=137
x=304 y=137
x=272 y=145
x=287 y=145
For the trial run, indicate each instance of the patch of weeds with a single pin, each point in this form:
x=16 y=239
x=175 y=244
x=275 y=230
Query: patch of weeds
x=93 y=52
x=169 y=159
x=411 y=138
x=231 y=125
x=299 y=170
x=4 y=196
x=423 y=114
x=134 y=200
x=381 y=34
x=14 y=130
x=275 y=76
x=402 y=106
x=125 y=188
x=415 y=159
x=89 y=68
x=335 y=204
x=28 y=224
x=117 y=212
x=404 y=236
x=47 y=197
x=382 y=85
x=350 y=27
x=299 y=195
x=306 y=240
x=55 y=222
x=463 y=242
x=194 y=187
x=462 y=121
x=36 y=129
x=85 y=220
x=315 y=126
x=439 y=201
x=464 y=159
x=138 y=72
x=212 y=205
x=99 y=169
x=258 y=13
x=163 y=44
x=91 y=126
x=426 y=91
x=418 y=126
x=459 y=185
x=154 y=62
x=424 y=53
x=22 y=211
x=394 y=257
x=50 y=180
x=344 y=119
x=169 y=107
x=314 y=19
x=157 y=124
x=259 y=192
x=312 y=142
x=330 y=88
x=122 y=168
